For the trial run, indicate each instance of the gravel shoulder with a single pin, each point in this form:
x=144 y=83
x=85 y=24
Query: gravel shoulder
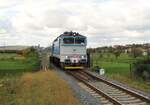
x=84 y=97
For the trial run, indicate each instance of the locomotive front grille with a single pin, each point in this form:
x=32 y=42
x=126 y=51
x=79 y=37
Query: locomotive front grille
x=74 y=61
x=67 y=61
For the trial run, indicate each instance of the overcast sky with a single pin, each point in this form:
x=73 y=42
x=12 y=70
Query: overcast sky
x=104 y=22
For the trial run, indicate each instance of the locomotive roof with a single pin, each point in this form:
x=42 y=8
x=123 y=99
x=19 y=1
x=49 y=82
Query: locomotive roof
x=71 y=34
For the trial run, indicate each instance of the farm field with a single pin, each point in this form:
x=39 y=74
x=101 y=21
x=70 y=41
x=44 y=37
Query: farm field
x=7 y=55
x=112 y=65
x=115 y=67
x=13 y=62
x=119 y=69
x=38 y=88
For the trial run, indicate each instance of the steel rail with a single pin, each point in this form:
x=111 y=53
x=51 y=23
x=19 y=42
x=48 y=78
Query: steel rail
x=131 y=92
x=111 y=99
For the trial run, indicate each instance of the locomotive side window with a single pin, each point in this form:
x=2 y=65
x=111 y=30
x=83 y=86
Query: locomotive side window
x=79 y=40
x=68 y=40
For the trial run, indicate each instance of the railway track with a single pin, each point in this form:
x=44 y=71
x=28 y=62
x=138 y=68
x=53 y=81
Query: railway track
x=108 y=92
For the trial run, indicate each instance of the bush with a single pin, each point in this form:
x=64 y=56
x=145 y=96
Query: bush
x=142 y=69
x=146 y=75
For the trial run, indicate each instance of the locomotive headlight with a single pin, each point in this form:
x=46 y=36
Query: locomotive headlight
x=66 y=57
x=82 y=57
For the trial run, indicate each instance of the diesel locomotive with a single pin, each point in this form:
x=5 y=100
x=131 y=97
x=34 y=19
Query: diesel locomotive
x=69 y=51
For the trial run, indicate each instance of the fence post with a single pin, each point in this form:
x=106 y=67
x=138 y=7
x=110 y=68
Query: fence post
x=91 y=60
x=131 y=70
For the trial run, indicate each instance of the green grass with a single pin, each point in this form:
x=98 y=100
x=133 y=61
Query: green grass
x=12 y=65
x=135 y=83
x=7 y=55
x=115 y=67
x=11 y=62
x=108 y=57
x=108 y=61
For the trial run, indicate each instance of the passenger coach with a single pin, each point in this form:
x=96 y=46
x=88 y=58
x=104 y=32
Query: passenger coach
x=69 y=51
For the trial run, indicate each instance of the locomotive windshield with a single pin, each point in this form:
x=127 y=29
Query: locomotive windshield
x=79 y=40
x=68 y=40
x=74 y=40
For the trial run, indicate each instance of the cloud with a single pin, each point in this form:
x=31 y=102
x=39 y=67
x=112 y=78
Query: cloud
x=104 y=22
x=6 y=3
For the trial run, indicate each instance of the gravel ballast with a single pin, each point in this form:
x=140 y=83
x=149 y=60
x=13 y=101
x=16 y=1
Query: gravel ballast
x=84 y=97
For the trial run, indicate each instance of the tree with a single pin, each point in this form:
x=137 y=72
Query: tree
x=135 y=52
x=117 y=53
x=100 y=55
x=142 y=69
x=148 y=52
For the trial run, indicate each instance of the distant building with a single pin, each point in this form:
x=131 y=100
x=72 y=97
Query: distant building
x=145 y=53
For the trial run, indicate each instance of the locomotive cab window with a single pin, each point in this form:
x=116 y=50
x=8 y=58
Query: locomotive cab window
x=80 y=40
x=68 y=40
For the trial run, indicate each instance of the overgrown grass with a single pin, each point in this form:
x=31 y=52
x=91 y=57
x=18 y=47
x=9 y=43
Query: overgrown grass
x=40 y=88
x=138 y=84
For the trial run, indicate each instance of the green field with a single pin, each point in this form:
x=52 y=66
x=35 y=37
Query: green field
x=121 y=65
x=119 y=69
x=12 y=62
x=115 y=67
x=7 y=55
x=112 y=64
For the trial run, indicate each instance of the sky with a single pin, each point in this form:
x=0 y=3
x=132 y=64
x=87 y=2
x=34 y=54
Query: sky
x=104 y=22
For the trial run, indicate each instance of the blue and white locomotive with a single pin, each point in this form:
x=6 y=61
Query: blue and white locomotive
x=69 y=51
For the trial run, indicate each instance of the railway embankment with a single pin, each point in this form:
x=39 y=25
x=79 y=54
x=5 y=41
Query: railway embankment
x=84 y=96
x=39 y=88
x=107 y=91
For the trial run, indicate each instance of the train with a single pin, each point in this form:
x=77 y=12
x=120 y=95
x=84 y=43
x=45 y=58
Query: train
x=69 y=51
